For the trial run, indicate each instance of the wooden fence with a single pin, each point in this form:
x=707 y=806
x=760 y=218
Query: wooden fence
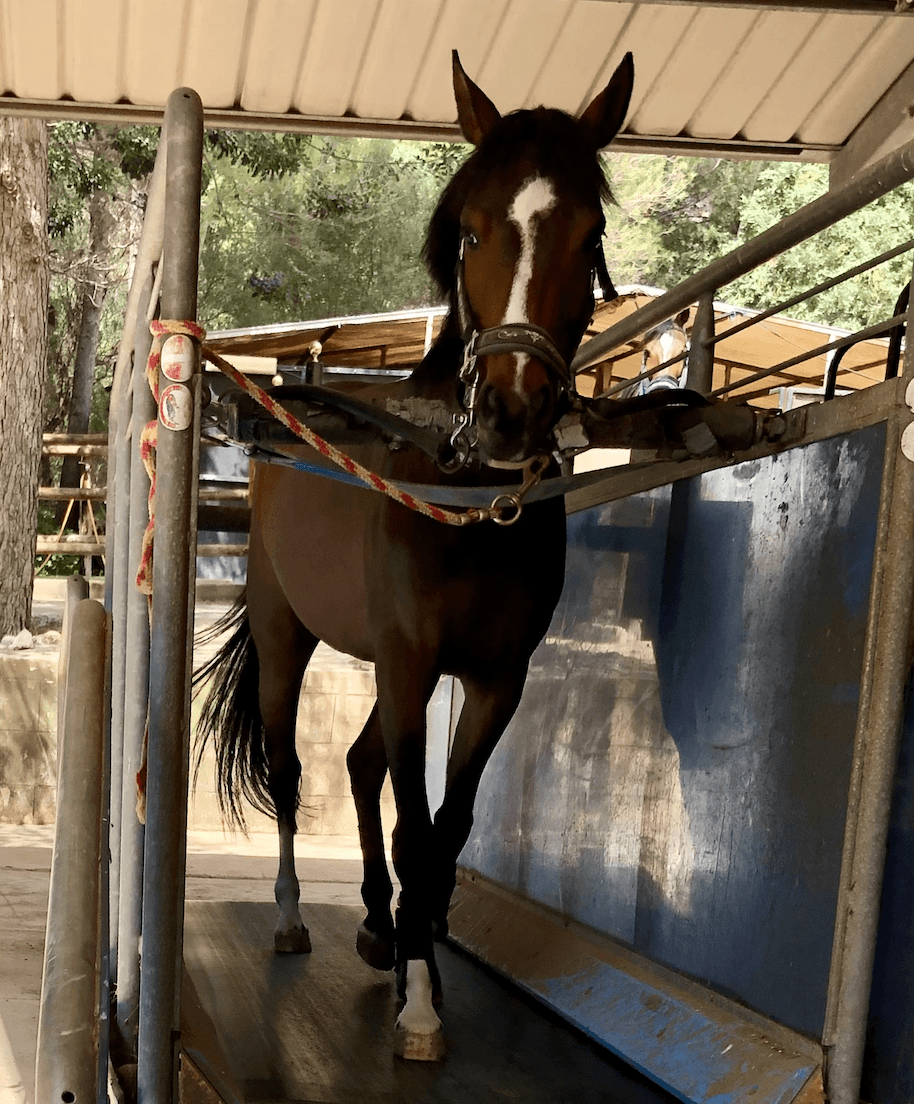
x=90 y=540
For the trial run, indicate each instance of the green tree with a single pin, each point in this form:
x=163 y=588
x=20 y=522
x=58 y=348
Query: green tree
x=677 y=215
x=342 y=235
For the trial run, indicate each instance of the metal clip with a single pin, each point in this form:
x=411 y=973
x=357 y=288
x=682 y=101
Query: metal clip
x=535 y=468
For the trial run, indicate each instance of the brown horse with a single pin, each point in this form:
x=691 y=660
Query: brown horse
x=514 y=243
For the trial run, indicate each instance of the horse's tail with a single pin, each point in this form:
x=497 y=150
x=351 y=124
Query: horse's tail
x=230 y=716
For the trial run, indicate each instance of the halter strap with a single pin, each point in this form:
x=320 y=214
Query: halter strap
x=522 y=337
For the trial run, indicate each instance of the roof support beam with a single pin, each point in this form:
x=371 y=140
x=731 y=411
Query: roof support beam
x=855 y=7
x=889 y=125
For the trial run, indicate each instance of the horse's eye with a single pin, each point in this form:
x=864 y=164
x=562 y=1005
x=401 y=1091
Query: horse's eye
x=593 y=239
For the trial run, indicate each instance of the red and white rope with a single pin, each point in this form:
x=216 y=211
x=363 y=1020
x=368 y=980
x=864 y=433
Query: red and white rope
x=161 y=329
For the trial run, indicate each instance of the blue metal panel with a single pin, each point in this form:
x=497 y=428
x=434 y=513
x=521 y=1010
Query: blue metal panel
x=677 y=773
x=888 y=1070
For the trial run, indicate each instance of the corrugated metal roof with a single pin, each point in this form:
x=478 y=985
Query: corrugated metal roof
x=763 y=79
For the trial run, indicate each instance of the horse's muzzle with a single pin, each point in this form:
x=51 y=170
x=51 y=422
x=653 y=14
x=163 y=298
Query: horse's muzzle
x=515 y=423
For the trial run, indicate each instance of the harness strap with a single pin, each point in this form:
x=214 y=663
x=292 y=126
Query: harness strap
x=479 y=497
x=522 y=337
x=603 y=278
x=493 y=512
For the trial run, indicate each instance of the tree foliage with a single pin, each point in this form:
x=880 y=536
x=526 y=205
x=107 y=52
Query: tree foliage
x=684 y=213
x=341 y=235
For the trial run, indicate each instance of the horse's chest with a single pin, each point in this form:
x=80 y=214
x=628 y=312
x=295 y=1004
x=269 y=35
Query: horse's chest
x=485 y=594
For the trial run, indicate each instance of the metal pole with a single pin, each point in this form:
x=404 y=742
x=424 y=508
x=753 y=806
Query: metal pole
x=116 y=572
x=77 y=590
x=136 y=698
x=882 y=695
x=169 y=698
x=701 y=348
x=134 y=407
x=885 y=175
x=69 y=1052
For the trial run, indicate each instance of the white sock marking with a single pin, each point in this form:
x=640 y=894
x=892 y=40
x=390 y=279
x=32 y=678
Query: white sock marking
x=536 y=197
x=418 y=1016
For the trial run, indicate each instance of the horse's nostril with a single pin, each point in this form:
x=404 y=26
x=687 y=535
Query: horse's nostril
x=491 y=404
x=540 y=401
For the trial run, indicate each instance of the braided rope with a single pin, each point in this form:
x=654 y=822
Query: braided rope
x=149 y=435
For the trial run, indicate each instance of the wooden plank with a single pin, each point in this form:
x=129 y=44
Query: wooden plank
x=700 y=1045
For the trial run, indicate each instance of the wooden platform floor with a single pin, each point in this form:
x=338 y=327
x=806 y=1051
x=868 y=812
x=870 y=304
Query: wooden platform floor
x=318 y=1029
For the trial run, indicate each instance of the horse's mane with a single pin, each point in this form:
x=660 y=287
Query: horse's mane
x=555 y=145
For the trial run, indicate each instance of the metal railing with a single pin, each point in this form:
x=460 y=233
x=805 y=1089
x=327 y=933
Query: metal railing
x=703 y=288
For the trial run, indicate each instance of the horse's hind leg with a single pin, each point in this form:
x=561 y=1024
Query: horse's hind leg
x=367 y=762
x=279 y=690
x=284 y=647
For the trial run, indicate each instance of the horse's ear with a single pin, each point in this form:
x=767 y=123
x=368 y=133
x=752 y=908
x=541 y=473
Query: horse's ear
x=475 y=111
x=606 y=113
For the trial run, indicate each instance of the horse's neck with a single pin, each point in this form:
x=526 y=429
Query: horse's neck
x=436 y=376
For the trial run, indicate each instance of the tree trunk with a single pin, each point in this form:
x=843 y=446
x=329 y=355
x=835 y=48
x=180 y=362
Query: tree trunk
x=95 y=288
x=23 y=353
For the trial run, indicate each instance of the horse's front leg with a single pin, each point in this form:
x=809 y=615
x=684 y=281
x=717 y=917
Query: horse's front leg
x=405 y=684
x=489 y=705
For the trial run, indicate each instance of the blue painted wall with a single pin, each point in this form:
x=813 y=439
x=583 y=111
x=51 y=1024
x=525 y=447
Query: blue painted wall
x=676 y=775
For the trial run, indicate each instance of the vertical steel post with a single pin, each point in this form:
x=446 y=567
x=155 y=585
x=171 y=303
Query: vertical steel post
x=132 y=407
x=116 y=584
x=884 y=678
x=136 y=698
x=701 y=347
x=169 y=697
x=77 y=590
x=70 y=1052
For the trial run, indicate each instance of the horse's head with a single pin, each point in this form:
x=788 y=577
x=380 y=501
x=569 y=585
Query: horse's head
x=516 y=240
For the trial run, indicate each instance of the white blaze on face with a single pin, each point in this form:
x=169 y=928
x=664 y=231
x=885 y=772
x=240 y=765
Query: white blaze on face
x=535 y=198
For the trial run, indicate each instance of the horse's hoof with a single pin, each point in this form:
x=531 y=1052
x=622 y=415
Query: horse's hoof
x=296 y=941
x=420 y=1046
x=376 y=950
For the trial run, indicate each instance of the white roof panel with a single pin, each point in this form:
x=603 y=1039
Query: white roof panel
x=875 y=64
x=782 y=78
x=333 y=56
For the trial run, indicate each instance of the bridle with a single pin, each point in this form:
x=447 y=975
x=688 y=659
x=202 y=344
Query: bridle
x=512 y=337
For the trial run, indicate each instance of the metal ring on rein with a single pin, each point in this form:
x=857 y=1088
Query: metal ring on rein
x=534 y=468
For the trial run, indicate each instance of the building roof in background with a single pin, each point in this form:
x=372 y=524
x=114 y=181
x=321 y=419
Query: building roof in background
x=396 y=341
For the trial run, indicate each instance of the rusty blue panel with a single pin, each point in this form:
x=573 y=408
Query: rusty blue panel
x=676 y=775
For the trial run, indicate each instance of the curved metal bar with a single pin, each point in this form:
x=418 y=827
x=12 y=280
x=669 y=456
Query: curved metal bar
x=876 y=330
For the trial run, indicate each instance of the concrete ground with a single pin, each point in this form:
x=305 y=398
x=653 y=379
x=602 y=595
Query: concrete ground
x=220 y=868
